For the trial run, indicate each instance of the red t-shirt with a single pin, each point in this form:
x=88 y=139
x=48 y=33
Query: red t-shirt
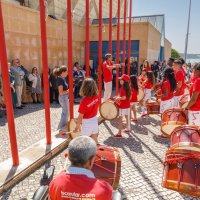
x=166 y=85
x=148 y=84
x=183 y=70
x=195 y=88
x=134 y=94
x=89 y=107
x=180 y=78
x=192 y=78
x=107 y=73
x=124 y=103
x=72 y=186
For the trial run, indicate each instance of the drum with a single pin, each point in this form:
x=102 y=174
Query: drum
x=153 y=107
x=140 y=95
x=71 y=127
x=182 y=172
x=184 y=101
x=186 y=137
x=107 y=165
x=171 y=119
x=109 y=109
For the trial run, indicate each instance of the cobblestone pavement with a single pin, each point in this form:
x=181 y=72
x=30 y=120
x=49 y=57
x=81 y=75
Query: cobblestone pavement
x=142 y=154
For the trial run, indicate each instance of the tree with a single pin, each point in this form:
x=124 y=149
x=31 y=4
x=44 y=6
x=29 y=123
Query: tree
x=175 y=54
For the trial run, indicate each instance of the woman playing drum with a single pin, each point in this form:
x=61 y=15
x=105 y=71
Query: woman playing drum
x=193 y=106
x=148 y=85
x=88 y=110
x=167 y=88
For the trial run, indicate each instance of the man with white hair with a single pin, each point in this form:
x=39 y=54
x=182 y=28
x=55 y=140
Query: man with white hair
x=78 y=181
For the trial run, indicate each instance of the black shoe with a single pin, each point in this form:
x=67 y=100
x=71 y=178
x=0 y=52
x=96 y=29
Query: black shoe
x=34 y=102
x=38 y=102
x=19 y=107
x=22 y=105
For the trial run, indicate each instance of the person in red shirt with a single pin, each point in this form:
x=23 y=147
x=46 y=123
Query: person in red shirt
x=167 y=89
x=148 y=84
x=78 y=181
x=146 y=66
x=88 y=109
x=142 y=78
x=134 y=93
x=124 y=107
x=194 y=103
x=107 y=74
x=180 y=80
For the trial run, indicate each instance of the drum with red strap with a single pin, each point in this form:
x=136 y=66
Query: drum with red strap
x=109 y=109
x=186 y=138
x=184 y=101
x=182 y=171
x=107 y=165
x=171 y=119
x=153 y=107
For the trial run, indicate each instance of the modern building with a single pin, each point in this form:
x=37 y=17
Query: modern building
x=22 y=30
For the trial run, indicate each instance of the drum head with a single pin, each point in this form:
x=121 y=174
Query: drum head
x=140 y=95
x=109 y=110
x=167 y=129
x=72 y=125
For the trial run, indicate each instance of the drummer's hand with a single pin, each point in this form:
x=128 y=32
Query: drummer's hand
x=76 y=130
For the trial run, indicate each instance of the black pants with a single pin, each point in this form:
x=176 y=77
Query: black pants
x=53 y=95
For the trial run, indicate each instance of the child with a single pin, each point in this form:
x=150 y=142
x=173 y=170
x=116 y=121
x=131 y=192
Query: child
x=61 y=72
x=134 y=91
x=88 y=109
x=167 y=89
x=142 y=78
x=124 y=107
x=147 y=85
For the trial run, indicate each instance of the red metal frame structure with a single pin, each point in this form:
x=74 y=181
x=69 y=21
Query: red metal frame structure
x=7 y=93
x=100 y=52
x=87 y=43
x=124 y=38
x=110 y=28
x=45 y=70
x=70 y=65
x=118 y=47
x=129 y=37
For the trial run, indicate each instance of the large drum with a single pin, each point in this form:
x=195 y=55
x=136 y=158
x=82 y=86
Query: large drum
x=186 y=137
x=184 y=101
x=171 y=119
x=71 y=127
x=182 y=172
x=109 y=109
x=153 y=107
x=140 y=95
x=107 y=165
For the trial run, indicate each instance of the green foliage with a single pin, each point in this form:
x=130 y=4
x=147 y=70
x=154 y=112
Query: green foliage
x=175 y=54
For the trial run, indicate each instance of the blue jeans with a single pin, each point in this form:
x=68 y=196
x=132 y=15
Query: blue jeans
x=64 y=102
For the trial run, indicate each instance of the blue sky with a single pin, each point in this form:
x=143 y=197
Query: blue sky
x=176 y=15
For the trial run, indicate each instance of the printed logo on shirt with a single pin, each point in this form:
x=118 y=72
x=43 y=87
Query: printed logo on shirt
x=77 y=196
x=92 y=103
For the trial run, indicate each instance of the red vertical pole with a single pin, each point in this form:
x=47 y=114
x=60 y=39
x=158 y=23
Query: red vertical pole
x=110 y=28
x=100 y=52
x=129 y=37
x=70 y=65
x=124 y=37
x=87 y=44
x=7 y=93
x=45 y=70
x=118 y=47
